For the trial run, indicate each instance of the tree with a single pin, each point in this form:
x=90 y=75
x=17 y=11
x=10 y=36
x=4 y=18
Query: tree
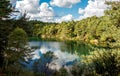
x=17 y=41
x=114 y=13
x=23 y=23
x=16 y=53
x=18 y=38
x=5 y=8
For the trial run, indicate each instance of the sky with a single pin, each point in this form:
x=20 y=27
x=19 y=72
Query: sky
x=60 y=10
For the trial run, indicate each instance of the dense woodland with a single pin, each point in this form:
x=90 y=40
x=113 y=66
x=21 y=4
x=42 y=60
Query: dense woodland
x=99 y=31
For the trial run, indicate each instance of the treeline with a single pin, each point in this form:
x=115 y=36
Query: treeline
x=103 y=30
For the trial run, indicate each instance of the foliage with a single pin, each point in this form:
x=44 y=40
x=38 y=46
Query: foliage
x=17 y=70
x=17 y=46
x=5 y=9
x=23 y=23
x=18 y=38
x=8 y=55
x=15 y=54
x=105 y=62
x=63 y=72
x=81 y=69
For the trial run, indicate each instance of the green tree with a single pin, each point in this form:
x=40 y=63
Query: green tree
x=17 y=38
x=5 y=8
x=17 y=49
x=37 y=30
x=67 y=29
x=63 y=72
x=16 y=52
x=114 y=13
x=23 y=23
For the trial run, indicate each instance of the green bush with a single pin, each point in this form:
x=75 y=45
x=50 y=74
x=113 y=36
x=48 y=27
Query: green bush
x=105 y=62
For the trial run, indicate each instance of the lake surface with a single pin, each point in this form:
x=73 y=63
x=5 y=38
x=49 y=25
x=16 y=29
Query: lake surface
x=64 y=53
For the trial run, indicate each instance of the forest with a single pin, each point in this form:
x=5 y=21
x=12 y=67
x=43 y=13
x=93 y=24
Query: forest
x=101 y=32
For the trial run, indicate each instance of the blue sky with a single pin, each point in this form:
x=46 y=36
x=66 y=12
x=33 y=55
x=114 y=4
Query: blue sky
x=61 y=10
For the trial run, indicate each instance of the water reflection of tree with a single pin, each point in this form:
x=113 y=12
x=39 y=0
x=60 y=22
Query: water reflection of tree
x=77 y=47
x=41 y=66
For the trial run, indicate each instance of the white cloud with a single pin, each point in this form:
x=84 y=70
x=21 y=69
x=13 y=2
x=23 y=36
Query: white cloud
x=66 y=18
x=94 y=8
x=81 y=11
x=29 y=6
x=112 y=0
x=35 y=11
x=63 y=58
x=64 y=3
x=45 y=10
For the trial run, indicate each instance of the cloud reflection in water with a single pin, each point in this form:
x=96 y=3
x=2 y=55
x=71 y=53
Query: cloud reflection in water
x=63 y=58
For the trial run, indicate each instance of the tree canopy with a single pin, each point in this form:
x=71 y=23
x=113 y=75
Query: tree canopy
x=18 y=38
